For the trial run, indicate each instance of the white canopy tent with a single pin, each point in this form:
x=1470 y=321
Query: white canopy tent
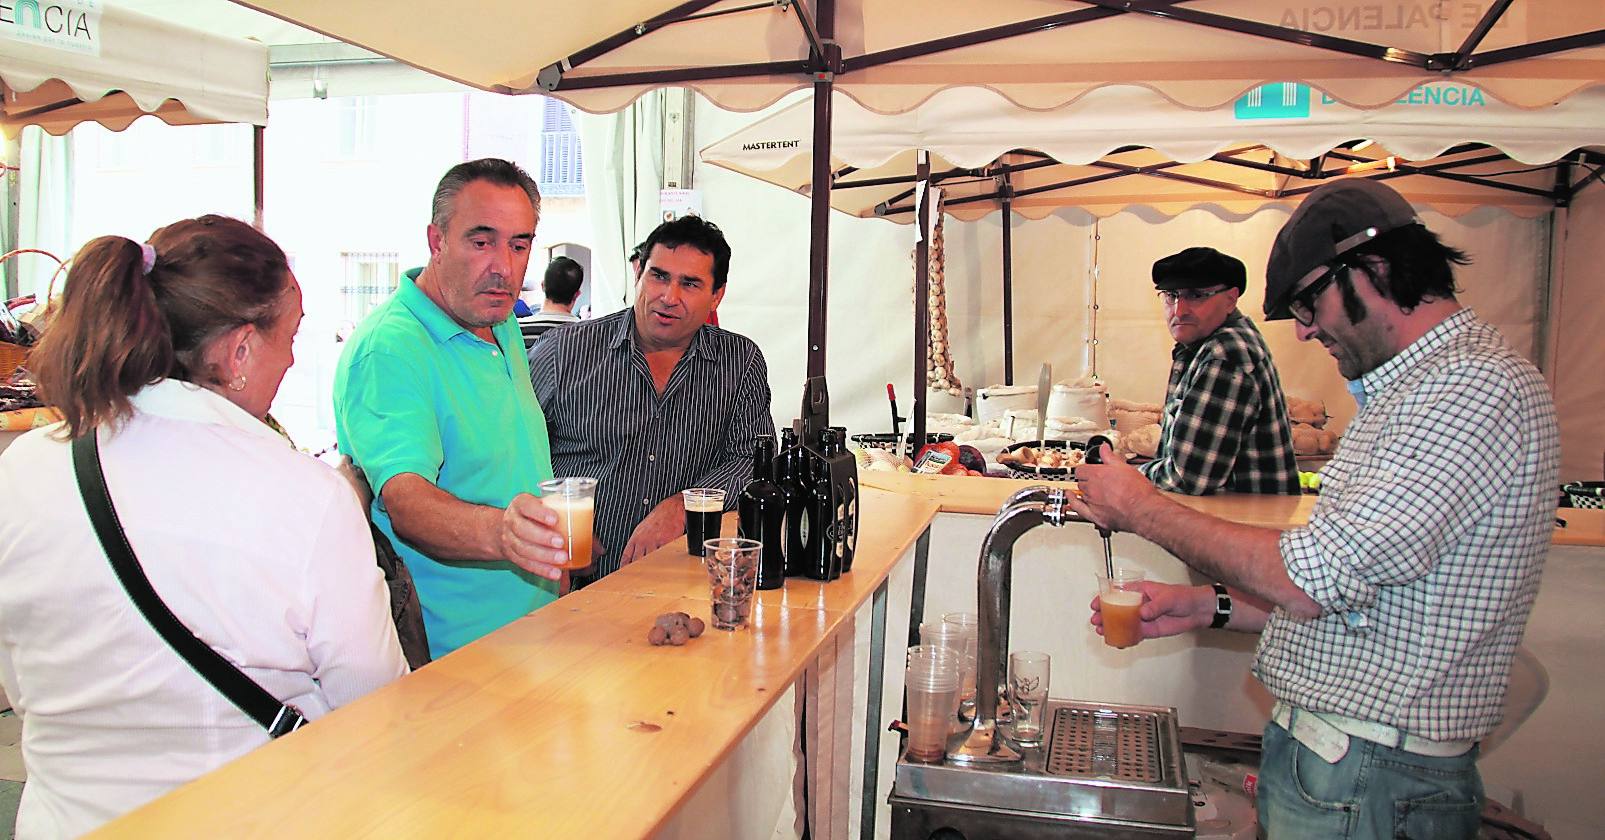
x=1266 y=146
x=112 y=66
x=1448 y=147
x=63 y=64
x=1038 y=54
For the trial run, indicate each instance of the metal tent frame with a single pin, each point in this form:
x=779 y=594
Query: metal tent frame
x=825 y=63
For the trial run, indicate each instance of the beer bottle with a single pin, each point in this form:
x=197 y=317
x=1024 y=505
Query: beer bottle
x=761 y=512
x=849 y=526
x=819 y=552
x=789 y=474
x=846 y=506
x=824 y=563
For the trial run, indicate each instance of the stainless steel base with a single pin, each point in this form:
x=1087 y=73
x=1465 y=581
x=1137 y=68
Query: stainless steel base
x=918 y=820
x=1106 y=770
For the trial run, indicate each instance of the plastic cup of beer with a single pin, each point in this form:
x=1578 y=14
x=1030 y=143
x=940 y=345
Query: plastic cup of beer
x=574 y=502
x=1121 y=602
x=704 y=508
x=931 y=684
x=732 y=564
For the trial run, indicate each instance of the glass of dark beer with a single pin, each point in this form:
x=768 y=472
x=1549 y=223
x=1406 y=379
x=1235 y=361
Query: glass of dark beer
x=704 y=507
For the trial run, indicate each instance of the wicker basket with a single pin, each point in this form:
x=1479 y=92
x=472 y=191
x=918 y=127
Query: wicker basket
x=1586 y=494
x=12 y=356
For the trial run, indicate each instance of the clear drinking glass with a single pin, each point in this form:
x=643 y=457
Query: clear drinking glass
x=704 y=510
x=1028 y=695
x=969 y=623
x=732 y=564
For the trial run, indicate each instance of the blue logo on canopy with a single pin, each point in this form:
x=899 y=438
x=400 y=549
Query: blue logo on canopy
x=1275 y=101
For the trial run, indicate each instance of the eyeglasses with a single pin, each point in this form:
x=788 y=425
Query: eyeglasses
x=1189 y=295
x=1302 y=304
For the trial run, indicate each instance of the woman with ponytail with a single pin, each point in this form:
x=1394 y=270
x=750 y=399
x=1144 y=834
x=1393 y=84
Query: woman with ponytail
x=170 y=352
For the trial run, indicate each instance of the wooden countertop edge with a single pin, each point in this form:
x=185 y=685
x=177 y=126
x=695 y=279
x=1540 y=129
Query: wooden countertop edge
x=983 y=496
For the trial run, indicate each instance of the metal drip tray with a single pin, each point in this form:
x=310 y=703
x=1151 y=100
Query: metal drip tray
x=1119 y=744
x=1110 y=769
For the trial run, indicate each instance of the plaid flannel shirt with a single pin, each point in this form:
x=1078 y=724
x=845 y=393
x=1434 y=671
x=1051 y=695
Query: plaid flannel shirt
x=1427 y=543
x=1225 y=425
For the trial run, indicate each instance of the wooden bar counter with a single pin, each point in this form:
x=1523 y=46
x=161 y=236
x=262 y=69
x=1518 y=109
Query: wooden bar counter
x=567 y=723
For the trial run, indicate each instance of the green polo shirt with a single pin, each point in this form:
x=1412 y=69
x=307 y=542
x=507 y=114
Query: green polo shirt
x=415 y=392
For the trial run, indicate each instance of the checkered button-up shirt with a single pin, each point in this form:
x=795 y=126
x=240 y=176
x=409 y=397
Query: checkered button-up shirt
x=1225 y=425
x=1427 y=543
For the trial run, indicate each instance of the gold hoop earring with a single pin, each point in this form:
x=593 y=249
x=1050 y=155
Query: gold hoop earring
x=237 y=383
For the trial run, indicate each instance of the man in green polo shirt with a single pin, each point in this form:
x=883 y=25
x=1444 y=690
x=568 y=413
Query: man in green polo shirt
x=433 y=404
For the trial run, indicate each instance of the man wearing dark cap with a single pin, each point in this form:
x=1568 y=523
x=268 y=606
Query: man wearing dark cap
x=1390 y=620
x=1225 y=426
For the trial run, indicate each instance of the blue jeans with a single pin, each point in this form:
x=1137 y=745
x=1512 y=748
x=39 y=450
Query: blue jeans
x=1372 y=792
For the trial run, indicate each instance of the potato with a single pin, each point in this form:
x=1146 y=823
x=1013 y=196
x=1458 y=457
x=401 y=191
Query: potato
x=679 y=635
x=696 y=627
x=657 y=635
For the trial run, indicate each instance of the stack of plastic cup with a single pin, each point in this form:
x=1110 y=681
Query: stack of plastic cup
x=970 y=625
x=932 y=684
x=957 y=640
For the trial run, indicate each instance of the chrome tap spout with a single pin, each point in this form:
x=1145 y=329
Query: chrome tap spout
x=1026 y=509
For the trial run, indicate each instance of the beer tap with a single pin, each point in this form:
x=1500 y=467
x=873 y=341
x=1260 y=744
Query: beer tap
x=1095 y=456
x=982 y=744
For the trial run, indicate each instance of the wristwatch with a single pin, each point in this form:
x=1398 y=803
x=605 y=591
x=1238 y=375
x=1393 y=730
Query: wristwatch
x=1223 y=607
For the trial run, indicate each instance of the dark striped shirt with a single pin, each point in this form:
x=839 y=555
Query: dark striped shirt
x=606 y=419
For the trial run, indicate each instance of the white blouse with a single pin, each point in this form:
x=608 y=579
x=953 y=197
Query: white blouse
x=259 y=550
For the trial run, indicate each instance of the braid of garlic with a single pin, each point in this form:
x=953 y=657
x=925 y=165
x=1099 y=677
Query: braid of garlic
x=940 y=373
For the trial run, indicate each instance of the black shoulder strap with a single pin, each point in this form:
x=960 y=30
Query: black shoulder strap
x=252 y=699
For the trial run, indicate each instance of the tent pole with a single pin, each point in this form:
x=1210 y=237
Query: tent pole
x=819 y=216
x=258 y=169
x=1005 y=193
x=922 y=297
x=11 y=172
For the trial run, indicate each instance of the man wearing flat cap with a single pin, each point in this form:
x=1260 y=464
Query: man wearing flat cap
x=1390 y=620
x=1225 y=425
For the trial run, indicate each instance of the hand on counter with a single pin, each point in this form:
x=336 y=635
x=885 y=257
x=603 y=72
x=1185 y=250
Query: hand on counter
x=1111 y=493
x=1167 y=609
x=663 y=524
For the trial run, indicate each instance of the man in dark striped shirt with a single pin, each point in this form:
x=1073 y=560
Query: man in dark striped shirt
x=652 y=400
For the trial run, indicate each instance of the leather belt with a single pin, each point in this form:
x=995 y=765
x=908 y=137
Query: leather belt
x=1328 y=734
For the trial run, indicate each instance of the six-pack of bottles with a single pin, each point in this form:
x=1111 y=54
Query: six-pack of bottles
x=802 y=502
